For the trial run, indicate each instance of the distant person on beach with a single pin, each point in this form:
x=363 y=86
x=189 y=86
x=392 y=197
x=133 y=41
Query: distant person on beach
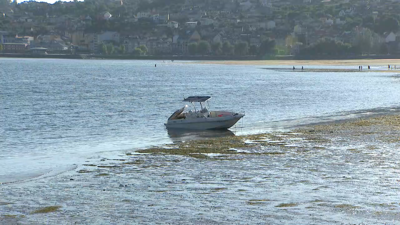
x=369 y=67
x=302 y=68
x=294 y=68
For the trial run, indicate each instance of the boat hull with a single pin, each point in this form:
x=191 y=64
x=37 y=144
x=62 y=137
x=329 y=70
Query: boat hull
x=204 y=123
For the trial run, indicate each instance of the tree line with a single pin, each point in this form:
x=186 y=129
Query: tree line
x=267 y=47
x=110 y=49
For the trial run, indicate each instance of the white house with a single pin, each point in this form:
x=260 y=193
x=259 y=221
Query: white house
x=206 y=21
x=195 y=36
x=173 y=24
x=156 y=17
x=108 y=36
x=271 y=24
x=297 y=29
x=107 y=16
x=191 y=24
x=143 y=15
x=175 y=39
x=217 y=38
x=390 y=37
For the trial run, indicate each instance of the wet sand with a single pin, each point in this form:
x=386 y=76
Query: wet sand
x=329 y=70
x=344 y=172
x=358 y=62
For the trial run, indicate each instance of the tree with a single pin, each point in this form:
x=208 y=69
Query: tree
x=122 y=49
x=203 y=47
x=351 y=23
x=104 y=49
x=281 y=50
x=329 y=47
x=227 y=48
x=192 y=48
x=387 y=24
x=368 y=22
x=110 y=49
x=253 y=50
x=241 y=48
x=290 y=41
x=267 y=46
x=383 y=49
x=144 y=49
x=138 y=51
x=217 y=48
x=368 y=41
x=301 y=38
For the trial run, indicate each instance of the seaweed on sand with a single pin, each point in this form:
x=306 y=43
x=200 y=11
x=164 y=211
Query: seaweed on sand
x=47 y=209
x=223 y=146
x=196 y=147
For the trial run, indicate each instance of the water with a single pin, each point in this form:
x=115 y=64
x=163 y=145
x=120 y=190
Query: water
x=56 y=113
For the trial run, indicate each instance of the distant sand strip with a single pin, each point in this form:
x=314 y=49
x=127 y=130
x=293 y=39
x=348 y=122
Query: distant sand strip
x=358 y=62
x=330 y=70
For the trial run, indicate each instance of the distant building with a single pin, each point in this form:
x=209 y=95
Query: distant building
x=105 y=37
x=83 y=40
x=14 y=47
x=191 y=24
x=143 y=15
x=173 y=24
x=109 y=36
x=38 y=51
x=271 y=24
x=3 y=35
x=391 y=37
x=107 y=16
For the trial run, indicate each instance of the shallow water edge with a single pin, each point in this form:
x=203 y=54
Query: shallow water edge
x=344 y=172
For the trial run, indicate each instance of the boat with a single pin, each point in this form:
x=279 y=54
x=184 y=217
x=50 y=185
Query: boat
x=201 y=119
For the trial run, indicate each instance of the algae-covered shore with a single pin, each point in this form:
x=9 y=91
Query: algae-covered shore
x=335 y=173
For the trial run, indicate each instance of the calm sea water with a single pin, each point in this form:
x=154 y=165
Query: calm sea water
x=56 y=113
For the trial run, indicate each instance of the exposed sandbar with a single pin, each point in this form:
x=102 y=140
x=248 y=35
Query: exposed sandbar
x=355 y=62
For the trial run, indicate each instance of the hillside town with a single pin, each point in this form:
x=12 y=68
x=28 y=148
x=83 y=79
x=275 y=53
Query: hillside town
x=201 y=27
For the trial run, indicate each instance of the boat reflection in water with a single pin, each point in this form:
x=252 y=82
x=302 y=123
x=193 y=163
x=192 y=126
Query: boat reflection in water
x=180 y=135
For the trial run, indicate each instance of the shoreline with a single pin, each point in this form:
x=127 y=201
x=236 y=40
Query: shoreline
x=315 y=62
x=240 y=60
x=326 y=70
x=330 y=159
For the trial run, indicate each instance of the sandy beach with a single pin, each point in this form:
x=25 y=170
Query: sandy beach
x=358 y=62
x=343 y=172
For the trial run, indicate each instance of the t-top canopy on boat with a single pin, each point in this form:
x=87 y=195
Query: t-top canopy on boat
x=196 y=98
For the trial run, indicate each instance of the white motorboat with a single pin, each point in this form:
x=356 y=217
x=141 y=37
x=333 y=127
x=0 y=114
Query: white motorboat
x=202 y=119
